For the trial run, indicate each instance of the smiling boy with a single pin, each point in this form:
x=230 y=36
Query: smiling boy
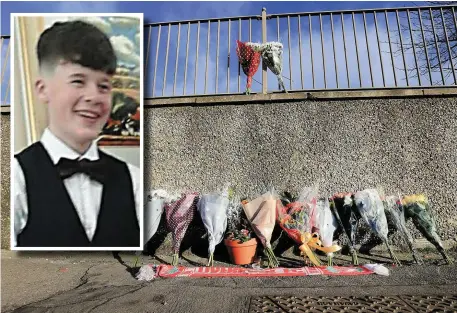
x=67 y=192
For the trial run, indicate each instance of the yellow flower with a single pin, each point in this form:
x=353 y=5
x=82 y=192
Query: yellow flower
x=414 y=198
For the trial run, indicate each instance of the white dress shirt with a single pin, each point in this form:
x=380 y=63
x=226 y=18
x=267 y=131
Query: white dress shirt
x=85 y=193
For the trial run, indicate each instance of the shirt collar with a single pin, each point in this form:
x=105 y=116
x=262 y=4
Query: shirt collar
x=58 y=149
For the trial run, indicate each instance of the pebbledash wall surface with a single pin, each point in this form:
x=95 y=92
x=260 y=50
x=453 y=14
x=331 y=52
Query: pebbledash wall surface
x=402 y=140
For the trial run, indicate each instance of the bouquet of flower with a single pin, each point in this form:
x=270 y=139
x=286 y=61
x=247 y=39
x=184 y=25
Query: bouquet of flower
x=179 y=215
x=343 y=209
x=152 y=213
x=272 y=56
x=371 y=208
x=395 y=213
x=327 y=225
x=418 y=209
x=249 y=58
x=298 y=219
x=261 y=213
x=213 y=211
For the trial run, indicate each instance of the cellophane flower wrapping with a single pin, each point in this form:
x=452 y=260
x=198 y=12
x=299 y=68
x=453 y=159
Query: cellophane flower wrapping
x=344 y=211
x=213 y=211
x=395 y=214
x=261 y=213
x=180 y=214
x=300 y=219
x=308 y=198
x=417 y=208
x=155 y=201
x=249 y=58
x=272 y=56
x=326 y=222
x=371 y=208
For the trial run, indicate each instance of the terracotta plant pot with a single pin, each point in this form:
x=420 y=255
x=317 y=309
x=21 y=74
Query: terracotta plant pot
x=241 y=253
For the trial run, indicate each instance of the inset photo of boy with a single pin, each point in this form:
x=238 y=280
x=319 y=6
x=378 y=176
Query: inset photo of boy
x=76 y=112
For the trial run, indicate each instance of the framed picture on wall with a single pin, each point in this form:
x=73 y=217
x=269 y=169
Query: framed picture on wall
x=123 y=126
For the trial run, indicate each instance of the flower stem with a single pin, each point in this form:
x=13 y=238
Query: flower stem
x=137 y=257
x=330 y=260
x=355 y=259
x=174 y=262
x=272 y=260
x=211 y=260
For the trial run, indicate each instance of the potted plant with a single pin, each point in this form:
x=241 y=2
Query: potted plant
x=240 y=243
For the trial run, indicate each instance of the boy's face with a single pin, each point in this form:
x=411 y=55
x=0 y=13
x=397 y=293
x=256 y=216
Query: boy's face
x=79 y=101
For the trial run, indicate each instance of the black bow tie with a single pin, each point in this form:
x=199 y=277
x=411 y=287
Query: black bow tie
x=94 y=169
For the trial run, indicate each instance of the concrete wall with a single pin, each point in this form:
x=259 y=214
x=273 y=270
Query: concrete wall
x=5 y=180
x=405 y=145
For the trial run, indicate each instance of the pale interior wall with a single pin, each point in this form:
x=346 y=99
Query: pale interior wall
x=127 y=154
x=18 y=101
x=25 y=101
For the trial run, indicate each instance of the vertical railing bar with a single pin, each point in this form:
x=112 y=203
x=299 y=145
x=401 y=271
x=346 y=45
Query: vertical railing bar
x=455 y=22
x=356 y=49
x=228 y=58
x=6 y=59
x=196 y=58
x=436 y=46
x=345 y=50
x=401 y=45
x=166 y=61
x=290 y=59
x=414 y=48
x=147 y=49
x=187 y=56
x=425 y=47
x=448 y=46
x=311 y=47
x=250 y=30
x=299 y=47
x=177 y=58
x=217 y=52
x=207 y=55
x=155 y=65
x=239 y=65
x=264 y=64
x=390 y=47
x=379 y=49
x=7 y=90
x=322 y=49
x=1 y=49
x=368 y=48
x=277 y=23
x=334 y=52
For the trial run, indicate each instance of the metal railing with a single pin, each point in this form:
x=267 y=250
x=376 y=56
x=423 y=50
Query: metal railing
x=5 y=81
x=333 y=50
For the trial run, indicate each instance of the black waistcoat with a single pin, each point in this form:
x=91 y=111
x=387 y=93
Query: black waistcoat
x=52 y=218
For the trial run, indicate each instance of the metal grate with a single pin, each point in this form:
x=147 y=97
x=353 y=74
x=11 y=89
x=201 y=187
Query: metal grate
x=442 y=304
x=286 y=304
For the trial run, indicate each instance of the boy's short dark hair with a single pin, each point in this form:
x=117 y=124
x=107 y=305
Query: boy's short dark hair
x=77 y=42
